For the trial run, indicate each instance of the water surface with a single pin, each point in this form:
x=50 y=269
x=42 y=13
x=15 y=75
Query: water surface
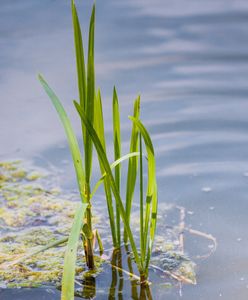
x=189 y=61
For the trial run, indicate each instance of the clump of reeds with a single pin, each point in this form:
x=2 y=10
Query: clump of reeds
x=89 y=108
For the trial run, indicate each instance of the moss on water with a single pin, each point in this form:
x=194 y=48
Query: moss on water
x=33 y=176
x=19 y=174
x=31 y=216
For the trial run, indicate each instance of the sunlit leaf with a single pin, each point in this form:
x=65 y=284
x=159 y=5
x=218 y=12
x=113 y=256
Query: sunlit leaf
x=71 y=255
x=72 y=140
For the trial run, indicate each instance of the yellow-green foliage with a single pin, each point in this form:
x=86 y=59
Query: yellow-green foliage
x=31 y=217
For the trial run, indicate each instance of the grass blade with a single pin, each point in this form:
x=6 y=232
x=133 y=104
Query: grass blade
x=72 y=140
x=113 y=165
x=99 y=127
x=132 y=164
x=71 y=255
x=106 y=165
x=142 y=245
x=117 y=152
x=8 y=264
x=98 y=119
x=80 y=62
x=89 y=107
x=153 y=225
x=151 y=194
x=99 y=241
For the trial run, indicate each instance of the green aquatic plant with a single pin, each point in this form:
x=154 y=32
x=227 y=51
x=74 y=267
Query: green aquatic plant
x=117 y=152
x=149 y=224
x=132 y=164
x=99 y=127
x=89 y=108
x=86 y=94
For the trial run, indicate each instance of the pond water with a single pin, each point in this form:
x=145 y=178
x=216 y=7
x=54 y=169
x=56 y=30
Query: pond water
x=189 y=62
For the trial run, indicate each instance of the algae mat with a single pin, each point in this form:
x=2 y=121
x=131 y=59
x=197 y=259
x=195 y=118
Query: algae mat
x=34 y=214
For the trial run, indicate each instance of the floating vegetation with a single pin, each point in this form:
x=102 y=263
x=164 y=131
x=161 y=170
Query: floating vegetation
x=176 y=265
x=32 y=216
x=38 y=217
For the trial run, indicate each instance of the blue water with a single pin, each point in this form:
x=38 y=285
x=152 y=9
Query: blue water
x=189 y=62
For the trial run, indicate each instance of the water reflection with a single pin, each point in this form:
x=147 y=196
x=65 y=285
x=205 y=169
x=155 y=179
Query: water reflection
x=121 y=278
x=138 y=292
x=134 y=291
x=117 y=276
x=89 y=290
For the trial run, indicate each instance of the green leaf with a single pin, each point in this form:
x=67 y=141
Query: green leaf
x=113 y=165
x=107 y=168
x=79 y=56
x=117 y=152
x=71 y=255
x=117 y=136
x=142 y=245
x=72 y=140
x=99 y=241
x=99 y=127
x=151 y=193
x=132 y=164
x=33 y=252
x=79 y=50
x=89 y=107
x=153 y=225
x=98 y=119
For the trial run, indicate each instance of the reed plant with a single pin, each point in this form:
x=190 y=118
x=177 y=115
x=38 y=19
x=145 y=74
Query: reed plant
x=89 y=108
x=148 y=212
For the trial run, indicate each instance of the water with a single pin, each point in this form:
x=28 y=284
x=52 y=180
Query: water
x=189 y=62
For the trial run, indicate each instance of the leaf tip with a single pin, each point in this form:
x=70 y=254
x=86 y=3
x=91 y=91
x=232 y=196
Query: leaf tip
x=39 y=76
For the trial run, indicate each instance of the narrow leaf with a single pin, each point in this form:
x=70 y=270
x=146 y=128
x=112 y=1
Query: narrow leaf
x=113 y=165
x=71 y=255
x=153 y=225
x=106 y=165
x=151 y=194
x=132 y=164
x=117 y=152
x=80 y=62
x=89 y=107
x=72 y=140
x=142 y=245
x=99 y=241
x=98 y=119
x=99 y=127
x=79 y=56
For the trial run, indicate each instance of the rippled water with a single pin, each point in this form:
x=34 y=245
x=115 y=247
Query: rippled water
x=189 y=61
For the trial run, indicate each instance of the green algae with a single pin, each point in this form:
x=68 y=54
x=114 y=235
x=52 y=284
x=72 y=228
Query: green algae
x=33 y=176
x=19 y=174
x=32 y=216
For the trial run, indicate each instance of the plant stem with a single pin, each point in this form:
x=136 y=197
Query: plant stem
x=89 y=252
x=143 y=280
